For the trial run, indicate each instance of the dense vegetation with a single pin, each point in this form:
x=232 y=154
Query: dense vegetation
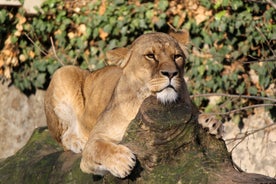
x=233 y=43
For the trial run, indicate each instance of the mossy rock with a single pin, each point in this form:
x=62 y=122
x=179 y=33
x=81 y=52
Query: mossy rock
x=42 y=160
x=169 y=145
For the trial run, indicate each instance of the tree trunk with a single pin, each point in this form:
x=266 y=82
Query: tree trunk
x=169 y=144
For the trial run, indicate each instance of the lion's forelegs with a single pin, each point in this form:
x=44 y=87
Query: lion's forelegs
x=100 y=156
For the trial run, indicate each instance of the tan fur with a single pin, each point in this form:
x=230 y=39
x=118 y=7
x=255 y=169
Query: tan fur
x=89 y=112
x=212 y=124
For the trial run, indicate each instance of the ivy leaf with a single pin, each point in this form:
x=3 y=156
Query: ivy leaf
x=220 y=14
x=51 y=68
x=252 y=90
x=3 y=16
x=241 y=88
x=163 y=4
x=235 y=4
x=40 y=80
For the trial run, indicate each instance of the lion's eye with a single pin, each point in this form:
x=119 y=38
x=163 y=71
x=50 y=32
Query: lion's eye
x=150 y=56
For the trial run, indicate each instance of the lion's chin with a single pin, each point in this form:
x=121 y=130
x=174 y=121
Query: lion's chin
x=167 y=95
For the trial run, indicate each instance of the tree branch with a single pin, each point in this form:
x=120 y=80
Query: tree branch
x=41 y=50
x=234 y=96
x=54 y=50
x=246 y=134
x=271 y=3
x=242 y=108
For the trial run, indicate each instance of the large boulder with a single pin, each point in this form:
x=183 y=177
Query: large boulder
x=169 y=145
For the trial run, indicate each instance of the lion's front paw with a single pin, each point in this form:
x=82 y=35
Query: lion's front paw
x=103 y=156
x=121 y=163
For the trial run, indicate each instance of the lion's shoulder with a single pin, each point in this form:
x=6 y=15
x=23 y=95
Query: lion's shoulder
x=103 y=80
x=99 y=88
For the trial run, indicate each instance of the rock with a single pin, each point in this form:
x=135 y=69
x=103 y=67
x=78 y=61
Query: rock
x=19 y=116
x=29 y=6
x=253 y=146
x=170 y=148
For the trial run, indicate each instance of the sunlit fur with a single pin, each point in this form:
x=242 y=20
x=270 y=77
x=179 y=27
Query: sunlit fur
x=89 y=112
x=164 y=93
x=167 y=95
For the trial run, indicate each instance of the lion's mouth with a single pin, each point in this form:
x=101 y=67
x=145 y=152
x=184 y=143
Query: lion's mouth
x=167 y=87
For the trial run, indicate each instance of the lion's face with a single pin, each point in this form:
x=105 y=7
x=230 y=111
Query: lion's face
x=156 y=61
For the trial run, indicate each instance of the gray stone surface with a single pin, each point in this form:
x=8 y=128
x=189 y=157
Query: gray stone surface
x=19 y=116
x=10 y=2
x=253 y=147
x=30 y=6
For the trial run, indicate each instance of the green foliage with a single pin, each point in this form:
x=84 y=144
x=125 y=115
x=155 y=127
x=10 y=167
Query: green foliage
x=6 y=17
x=233 y=42
x=79 y=36
x=233 y=45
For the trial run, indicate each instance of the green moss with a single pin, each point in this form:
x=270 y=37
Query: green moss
x=188 y=169
x=40 y=153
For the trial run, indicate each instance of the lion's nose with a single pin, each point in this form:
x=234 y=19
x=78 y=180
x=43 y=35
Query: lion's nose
x=169 y=74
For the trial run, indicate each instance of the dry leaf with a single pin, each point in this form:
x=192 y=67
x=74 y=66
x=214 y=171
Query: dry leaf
x=102 y=34
x=7 y=73
x=58 y=32
x=31 y=54
x=102 y=8
x=82 y=29
x=71 y=35
x=22 y=58
x=201 y=16
x=21 y=18
x=1 y=62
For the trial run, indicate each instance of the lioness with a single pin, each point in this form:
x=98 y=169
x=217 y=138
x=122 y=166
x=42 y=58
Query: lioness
x=89 y=112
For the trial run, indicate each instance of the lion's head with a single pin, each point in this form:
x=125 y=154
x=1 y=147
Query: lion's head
x=156 y=60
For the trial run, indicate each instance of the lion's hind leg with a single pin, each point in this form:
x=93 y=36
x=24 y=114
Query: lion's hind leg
x=71 y=138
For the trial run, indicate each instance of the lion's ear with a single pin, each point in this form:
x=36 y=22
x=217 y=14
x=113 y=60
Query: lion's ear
x=117 y=56
x=183 y=38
